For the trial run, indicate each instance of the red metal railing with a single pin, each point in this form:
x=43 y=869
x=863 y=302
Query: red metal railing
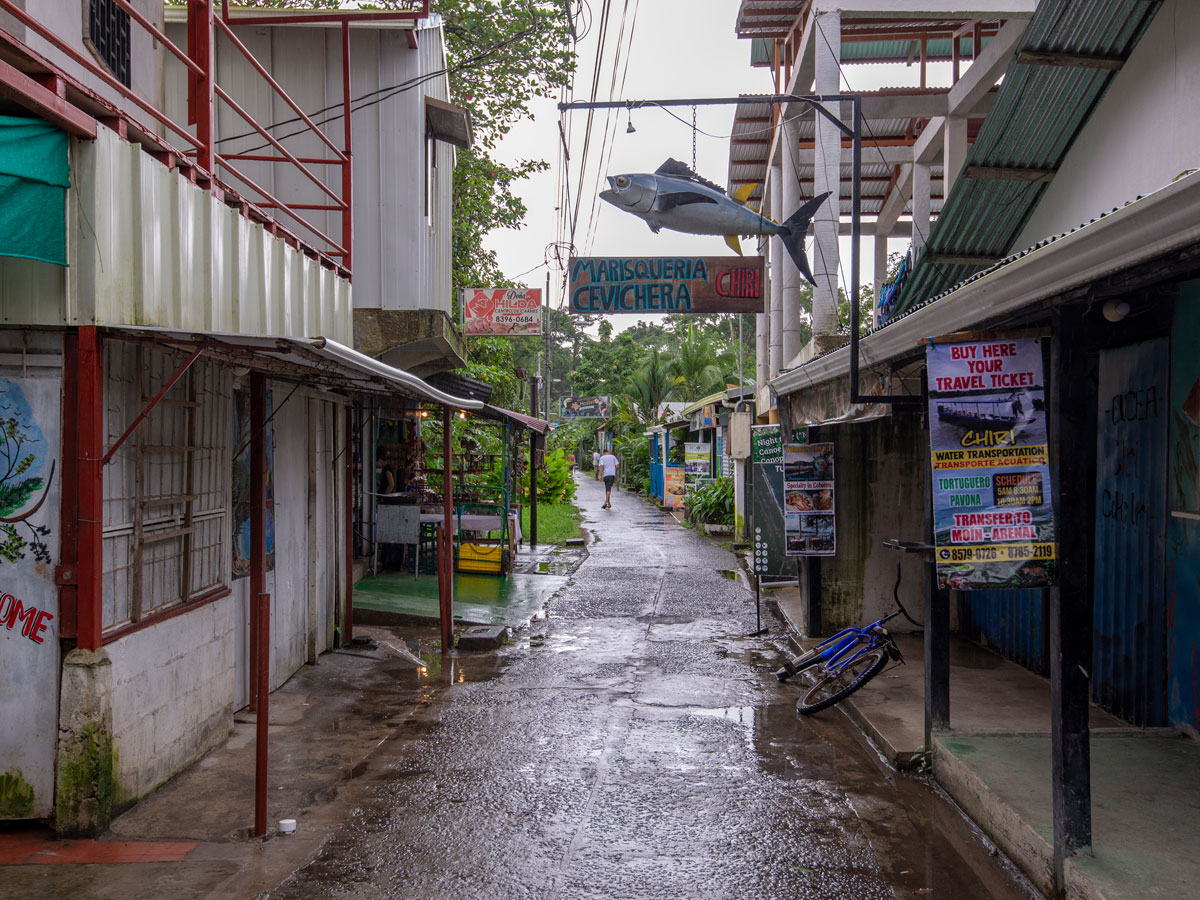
x=219 y=171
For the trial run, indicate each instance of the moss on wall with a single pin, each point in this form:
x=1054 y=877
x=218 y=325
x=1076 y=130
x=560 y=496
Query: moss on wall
x=16 y=796
x=87 y=787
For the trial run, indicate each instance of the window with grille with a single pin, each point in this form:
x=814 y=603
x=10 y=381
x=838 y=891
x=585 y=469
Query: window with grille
x=166 y=491
x=108 y=30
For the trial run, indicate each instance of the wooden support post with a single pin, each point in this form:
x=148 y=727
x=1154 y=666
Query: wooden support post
x=812 y=572
x=533 y=478
x=937 y=611
x=446 y=594
x=1072 y=430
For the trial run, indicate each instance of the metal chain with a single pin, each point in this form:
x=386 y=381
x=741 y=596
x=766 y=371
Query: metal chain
x=693 y=139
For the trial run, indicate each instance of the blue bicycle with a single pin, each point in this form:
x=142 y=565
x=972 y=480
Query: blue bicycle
x=852 y=657
x=844 y=663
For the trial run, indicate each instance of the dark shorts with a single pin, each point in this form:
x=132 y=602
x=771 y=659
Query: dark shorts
x=608 y=481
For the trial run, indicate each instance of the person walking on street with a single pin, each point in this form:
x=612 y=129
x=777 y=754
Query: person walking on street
x=596 y=464
x=608 y=466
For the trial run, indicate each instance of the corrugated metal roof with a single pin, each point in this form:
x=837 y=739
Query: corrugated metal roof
x=1033 y=122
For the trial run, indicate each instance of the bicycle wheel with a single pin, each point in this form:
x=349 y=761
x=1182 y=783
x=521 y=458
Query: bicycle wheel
x=839 y=685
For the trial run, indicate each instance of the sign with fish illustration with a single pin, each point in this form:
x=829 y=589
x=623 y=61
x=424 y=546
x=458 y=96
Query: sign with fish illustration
x=506 y=311
x=992 y=504
x=601 y=285
x=676 y=198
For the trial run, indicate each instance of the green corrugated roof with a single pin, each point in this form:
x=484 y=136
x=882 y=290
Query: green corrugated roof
x=1035 y=118
x=762 y=50
x=701 y=403
x=902 y=50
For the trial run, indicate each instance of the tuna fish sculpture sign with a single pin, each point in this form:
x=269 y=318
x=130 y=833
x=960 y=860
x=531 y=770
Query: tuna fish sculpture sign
x=676 y=198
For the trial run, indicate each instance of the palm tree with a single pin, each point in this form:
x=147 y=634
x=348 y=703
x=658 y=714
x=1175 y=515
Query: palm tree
x=695 y=366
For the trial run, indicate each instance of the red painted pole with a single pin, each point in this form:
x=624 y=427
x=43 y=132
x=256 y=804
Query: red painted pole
x=348 y=164
x=260 y=601
x=258 y=522
x=90 y=487
x=201 y=101
x=262 y=612
x=348 y=623
x=446 y=595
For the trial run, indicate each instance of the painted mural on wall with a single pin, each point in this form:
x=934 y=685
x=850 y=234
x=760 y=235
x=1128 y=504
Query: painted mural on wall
x=30 y=407
x=26 y=472
x=241 y=484
x=992 y=504
x=1183 y=525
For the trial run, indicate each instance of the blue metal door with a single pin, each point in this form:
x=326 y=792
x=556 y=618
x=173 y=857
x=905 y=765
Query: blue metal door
x=1128 y=675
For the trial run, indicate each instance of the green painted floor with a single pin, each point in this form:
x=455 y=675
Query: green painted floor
x=1145 y=805
x=478 y=599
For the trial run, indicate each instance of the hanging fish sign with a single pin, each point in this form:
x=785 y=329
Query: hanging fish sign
x=675 y=197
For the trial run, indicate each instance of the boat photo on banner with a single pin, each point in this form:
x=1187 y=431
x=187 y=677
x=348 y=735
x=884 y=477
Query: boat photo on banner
x=992 y=504
x=808 y=499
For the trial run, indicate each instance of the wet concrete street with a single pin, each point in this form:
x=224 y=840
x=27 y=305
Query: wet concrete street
x=633 y=744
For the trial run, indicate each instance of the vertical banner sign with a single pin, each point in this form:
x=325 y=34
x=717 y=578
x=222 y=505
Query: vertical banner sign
x=673 y=487
x=808 y=499
x=993 y=512
x=697 y=458
x=766 y=503
x=508 y=311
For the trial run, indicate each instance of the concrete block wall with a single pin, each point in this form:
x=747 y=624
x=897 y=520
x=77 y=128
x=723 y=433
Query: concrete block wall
x=172 y=695
x=880 y=472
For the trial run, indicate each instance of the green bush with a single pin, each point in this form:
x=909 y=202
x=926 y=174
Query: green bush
x=712 y=504
x=556 y=485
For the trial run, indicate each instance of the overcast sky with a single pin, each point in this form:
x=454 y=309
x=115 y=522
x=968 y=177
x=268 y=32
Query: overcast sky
x=679 y=50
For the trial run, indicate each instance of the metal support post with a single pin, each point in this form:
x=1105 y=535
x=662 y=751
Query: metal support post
x=533 y=479
x=446 y=595
x=348 y=615
x=201 y=87
x=258 y=520
x=262 y=613
x=347 y=164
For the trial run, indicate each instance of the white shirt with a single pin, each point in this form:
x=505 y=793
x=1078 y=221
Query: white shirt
x=608 y=465
x=596 y=458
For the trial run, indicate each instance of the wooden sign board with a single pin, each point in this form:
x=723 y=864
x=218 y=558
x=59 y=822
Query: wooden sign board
x=611 y=285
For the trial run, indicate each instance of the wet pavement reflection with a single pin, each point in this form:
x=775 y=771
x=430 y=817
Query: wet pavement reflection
x=631 y=743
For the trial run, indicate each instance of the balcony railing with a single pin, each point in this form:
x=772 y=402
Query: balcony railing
x=193 y=145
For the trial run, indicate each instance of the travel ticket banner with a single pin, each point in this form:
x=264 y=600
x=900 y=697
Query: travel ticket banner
x=808 y=519
x=992 y=504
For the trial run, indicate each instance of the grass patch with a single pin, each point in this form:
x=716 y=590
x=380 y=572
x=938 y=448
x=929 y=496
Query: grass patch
x=557 y=522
